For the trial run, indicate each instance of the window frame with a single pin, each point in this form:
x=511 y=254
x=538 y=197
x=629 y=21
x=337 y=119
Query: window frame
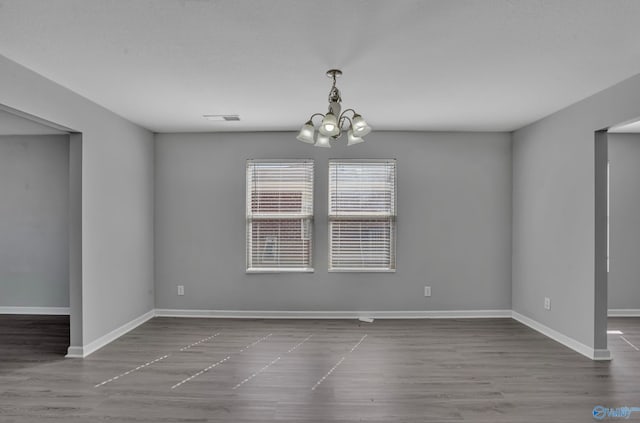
x=391 y=218
x=306 y=219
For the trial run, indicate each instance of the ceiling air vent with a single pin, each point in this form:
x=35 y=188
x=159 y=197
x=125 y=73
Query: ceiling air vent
x=222 y=118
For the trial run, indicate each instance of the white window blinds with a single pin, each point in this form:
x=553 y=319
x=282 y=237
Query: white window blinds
x=279 y=215
x=362 y=215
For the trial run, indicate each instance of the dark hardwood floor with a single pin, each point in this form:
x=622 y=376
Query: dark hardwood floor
x=26 y=341
x=217 y=370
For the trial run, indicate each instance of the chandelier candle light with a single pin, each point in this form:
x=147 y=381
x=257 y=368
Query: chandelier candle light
x=334 y=122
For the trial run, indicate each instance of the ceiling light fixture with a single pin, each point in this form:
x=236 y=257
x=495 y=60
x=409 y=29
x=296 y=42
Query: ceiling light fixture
x=334 y=122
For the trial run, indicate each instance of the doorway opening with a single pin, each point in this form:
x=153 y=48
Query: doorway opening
x=39 y=185
x=618 y=283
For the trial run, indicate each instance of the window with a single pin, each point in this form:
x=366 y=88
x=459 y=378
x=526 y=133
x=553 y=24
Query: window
x=362 y=215
x=279 y=215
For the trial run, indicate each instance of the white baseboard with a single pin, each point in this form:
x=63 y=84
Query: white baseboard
x=84 y=351
x=264 y=314
x=602 y=355
x=51 y=311
x=74 y=352
x=624 y=312
x=593 y=354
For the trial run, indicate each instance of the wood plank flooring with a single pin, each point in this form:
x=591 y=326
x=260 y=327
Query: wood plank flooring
x=218 y=370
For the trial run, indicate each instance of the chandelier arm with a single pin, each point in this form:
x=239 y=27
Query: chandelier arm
x=342 y=119
x=314 y=115
x=348 y=110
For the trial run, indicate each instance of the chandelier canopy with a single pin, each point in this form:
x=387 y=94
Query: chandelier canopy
x=334 y=122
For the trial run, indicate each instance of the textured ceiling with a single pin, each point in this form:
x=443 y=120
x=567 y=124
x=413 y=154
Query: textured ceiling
x=487 y=65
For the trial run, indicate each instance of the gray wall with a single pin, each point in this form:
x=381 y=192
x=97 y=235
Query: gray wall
x=117 y=200
x=34 y=253
x=624 y=270
x=75 y=237
x=454 y=230
x=553 y=213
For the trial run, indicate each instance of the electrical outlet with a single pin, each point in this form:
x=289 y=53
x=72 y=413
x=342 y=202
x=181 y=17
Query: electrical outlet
x=180 y=289
x=427 y=291
x=547 y=303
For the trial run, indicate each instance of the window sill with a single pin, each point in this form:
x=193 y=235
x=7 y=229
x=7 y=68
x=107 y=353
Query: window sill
x=269 y=270
x=338 y=270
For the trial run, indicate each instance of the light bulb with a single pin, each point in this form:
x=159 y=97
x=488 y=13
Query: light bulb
x=352 y=139
x=360 y=127
x=306 y=133
x=322 y=141
x=329 y=125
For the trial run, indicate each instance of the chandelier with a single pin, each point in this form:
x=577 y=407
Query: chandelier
x=334 y=122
